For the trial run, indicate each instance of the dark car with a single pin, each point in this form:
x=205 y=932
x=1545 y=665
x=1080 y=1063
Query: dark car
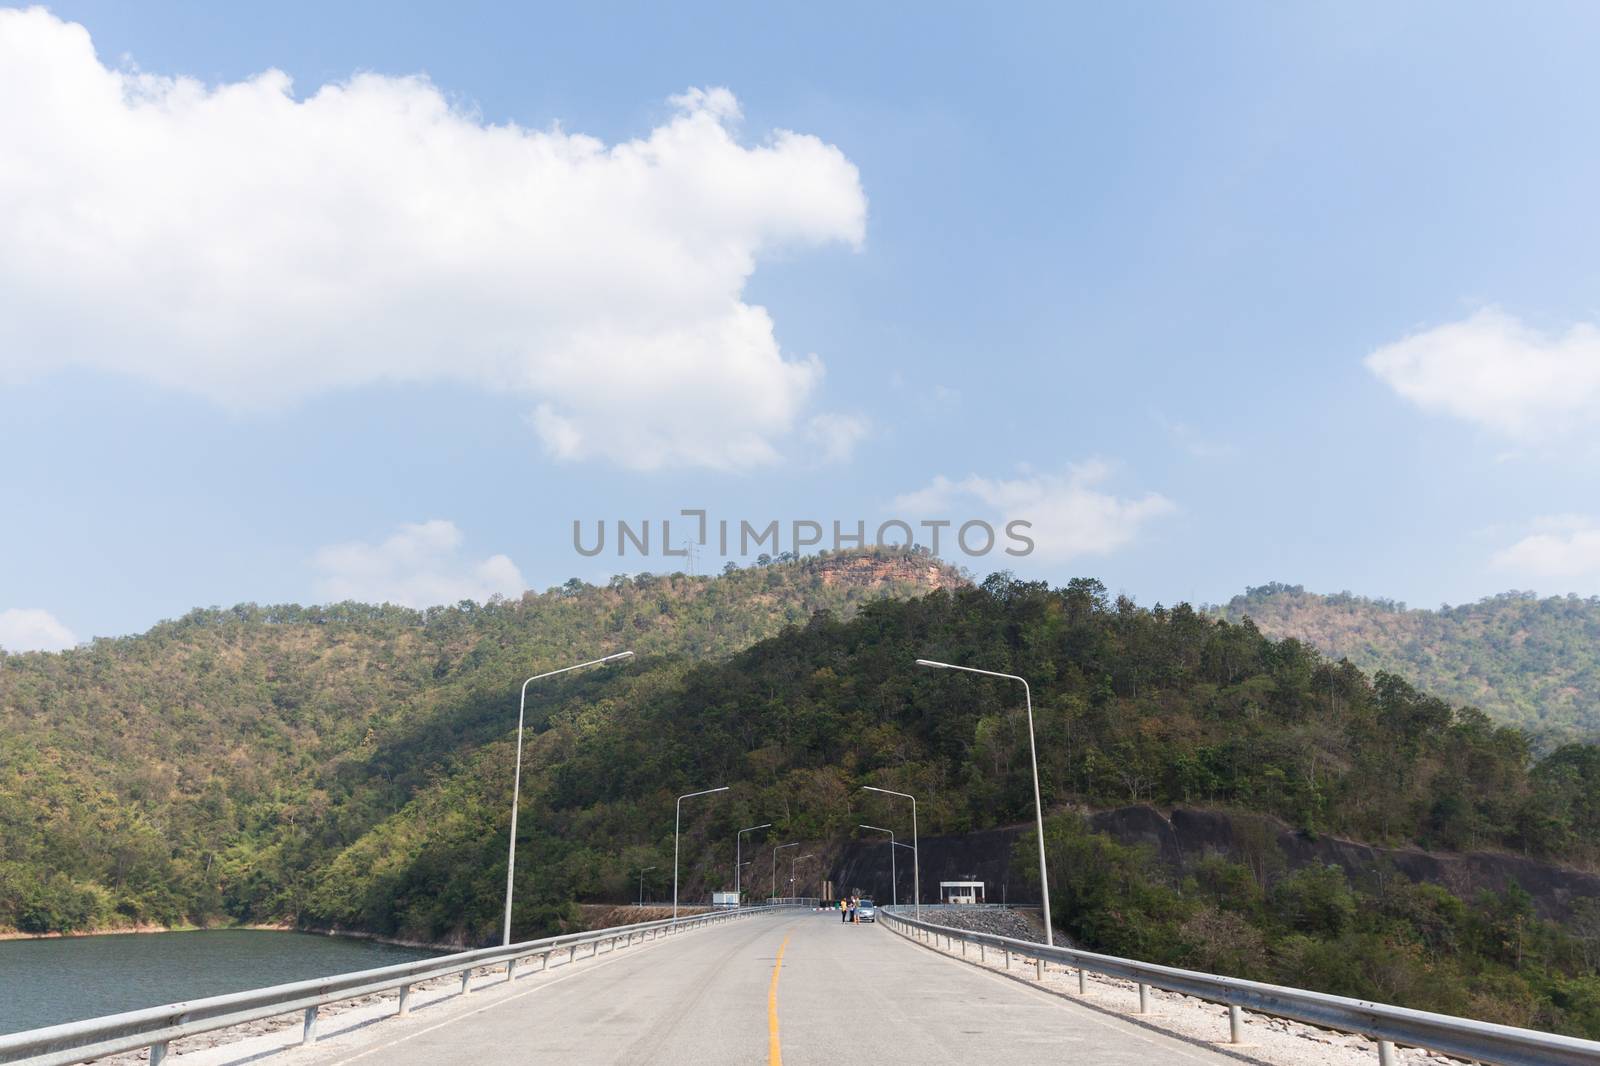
x=867 y=911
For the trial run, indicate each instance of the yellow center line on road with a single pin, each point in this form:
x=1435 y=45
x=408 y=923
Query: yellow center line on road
x=774 y=1049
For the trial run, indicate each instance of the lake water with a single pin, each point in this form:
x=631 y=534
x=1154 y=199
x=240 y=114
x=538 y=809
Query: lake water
x=45 y=982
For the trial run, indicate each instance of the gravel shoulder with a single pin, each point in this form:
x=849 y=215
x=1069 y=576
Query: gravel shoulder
x=1268 y=1041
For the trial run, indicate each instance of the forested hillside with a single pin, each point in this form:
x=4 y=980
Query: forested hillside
x=1529 y=662
x=202 y=770
x=353 y=770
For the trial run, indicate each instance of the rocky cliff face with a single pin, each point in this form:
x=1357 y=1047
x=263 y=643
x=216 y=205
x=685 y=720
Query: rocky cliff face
x=1187 y=835
x=863 y=866
x=877 y=571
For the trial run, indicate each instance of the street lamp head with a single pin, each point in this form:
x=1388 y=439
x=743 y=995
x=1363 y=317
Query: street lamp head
x=934 y=663
x=618 y=655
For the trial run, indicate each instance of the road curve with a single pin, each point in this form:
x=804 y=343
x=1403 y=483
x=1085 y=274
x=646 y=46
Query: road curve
x=841 y=994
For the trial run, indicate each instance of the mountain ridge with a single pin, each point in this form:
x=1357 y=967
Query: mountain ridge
x=1524 y=660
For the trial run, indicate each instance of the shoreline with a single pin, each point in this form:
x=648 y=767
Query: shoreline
x=137 y=930
x=270 y=927
x=444 y=947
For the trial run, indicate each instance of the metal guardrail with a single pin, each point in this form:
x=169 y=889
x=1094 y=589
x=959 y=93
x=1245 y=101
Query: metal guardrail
x=1388 y=1025
x=156 y=1027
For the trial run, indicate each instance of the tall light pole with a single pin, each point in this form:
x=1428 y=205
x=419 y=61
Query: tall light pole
x=775 y=851
x=738 y=854
x=792 y=860
x=916 y=858
x=677 y=820
x=1033 y=757
x=642 y=872
x=894 y=878
x=516 y=782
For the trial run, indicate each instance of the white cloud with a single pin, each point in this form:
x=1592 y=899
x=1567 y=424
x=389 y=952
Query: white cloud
x=256 y=248
x=1561 y=547
x=1198 y=443
x=30 y=629
x=833 y=437
x=1493 y=370
x=1071 y=516
x=419 y=566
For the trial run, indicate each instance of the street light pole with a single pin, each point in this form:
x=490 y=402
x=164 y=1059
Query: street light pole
x=916 y=858
x=738 y=854
x=1033 y=757
x=642 y=872
x=677 y=820
x=516 y=781
x=792 y=860
x=775 y=851
x=894 y=878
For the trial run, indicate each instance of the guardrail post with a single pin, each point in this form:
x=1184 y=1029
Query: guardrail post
x=1008 y=958
x=1038 y=969
x=158 y=1053
x=1144 y=999
x=511 y=971
x=308 y=1035
x=544 y=961
x=1386 y=1053
x=1083 y=982
x=466 y=980
x=983 y=954
x=405 y=1001
x=1235 y=1024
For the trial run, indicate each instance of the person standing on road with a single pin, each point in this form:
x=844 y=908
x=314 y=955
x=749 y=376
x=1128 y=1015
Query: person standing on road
x=844 y=909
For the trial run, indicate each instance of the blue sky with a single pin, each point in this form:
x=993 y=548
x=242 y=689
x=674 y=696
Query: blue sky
x=1213 y=295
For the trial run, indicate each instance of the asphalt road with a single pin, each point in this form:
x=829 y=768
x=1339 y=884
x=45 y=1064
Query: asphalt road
x=839 y=994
